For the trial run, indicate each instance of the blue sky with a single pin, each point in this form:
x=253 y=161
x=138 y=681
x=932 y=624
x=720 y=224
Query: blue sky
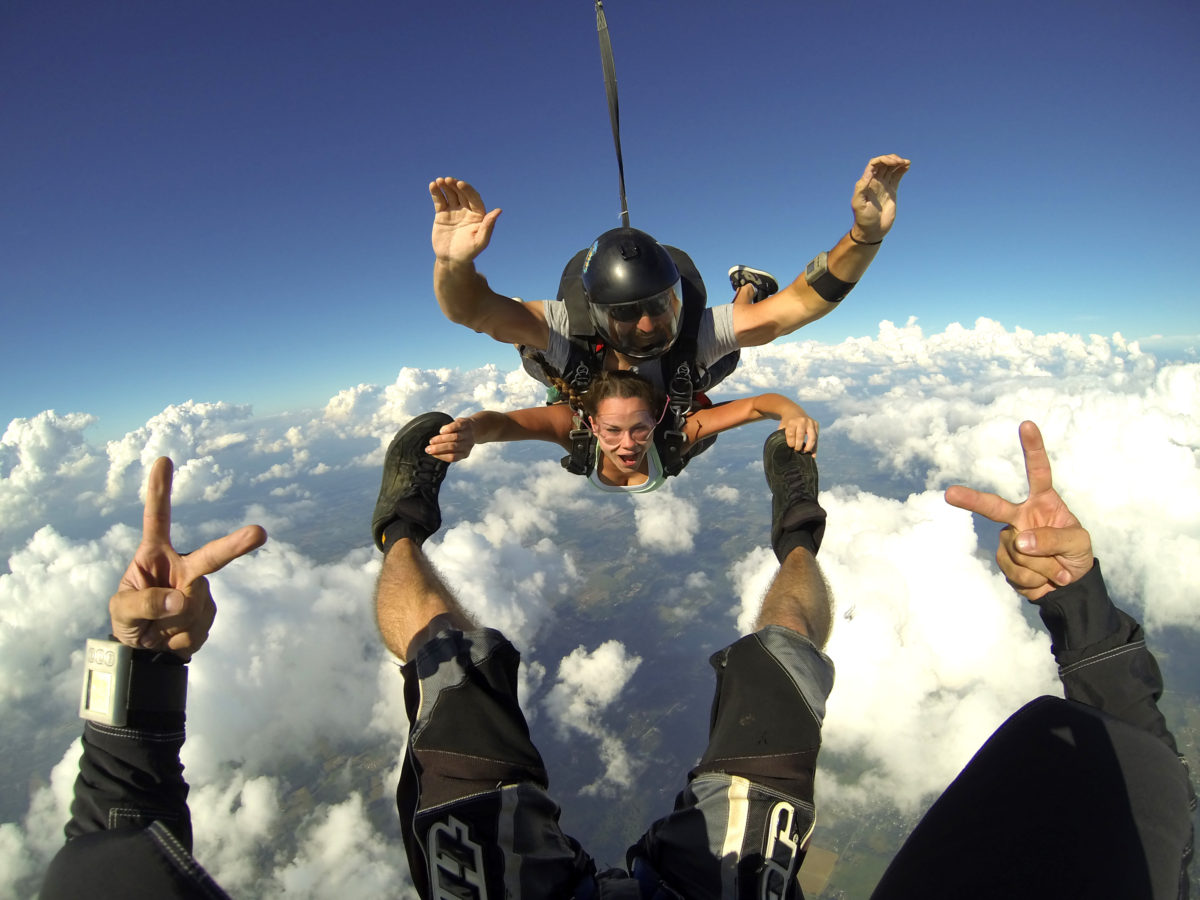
x=227 y=201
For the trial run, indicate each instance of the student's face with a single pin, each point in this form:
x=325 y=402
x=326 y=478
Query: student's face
x=624 y=427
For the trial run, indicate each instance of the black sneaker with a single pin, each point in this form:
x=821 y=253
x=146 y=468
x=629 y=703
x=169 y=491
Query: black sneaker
x=411 y=478
x=764 y=283
x=796 y=516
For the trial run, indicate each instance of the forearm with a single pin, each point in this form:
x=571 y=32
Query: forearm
x=848 y=259
x=775 y=406
x=463 y=293
x=131 y=776
x=799 y=303
x=490 y=427
x=1102 y=655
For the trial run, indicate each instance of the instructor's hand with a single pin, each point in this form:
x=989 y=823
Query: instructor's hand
x=462 y=226
x=874 y=200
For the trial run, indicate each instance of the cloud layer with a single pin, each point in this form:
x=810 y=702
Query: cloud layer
x=293 y=783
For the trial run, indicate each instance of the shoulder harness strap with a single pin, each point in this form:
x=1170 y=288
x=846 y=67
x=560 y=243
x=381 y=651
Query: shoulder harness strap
x=586 y=357
x=582 y=458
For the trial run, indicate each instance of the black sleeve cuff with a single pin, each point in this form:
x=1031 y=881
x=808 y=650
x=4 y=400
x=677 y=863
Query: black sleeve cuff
x=1080 y=615
x=157 y=691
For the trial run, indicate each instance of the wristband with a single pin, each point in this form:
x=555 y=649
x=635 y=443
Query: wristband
x=864 y=243
x=828 y=286
x=118 y=679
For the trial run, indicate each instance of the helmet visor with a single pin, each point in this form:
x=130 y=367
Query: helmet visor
x=642 y=329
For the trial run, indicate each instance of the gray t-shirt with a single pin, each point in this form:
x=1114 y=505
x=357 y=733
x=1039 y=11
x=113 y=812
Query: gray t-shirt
x=714 y=340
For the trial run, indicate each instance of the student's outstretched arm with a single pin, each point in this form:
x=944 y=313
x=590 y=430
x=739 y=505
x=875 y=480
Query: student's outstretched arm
x=802 y=429
x=540 y=423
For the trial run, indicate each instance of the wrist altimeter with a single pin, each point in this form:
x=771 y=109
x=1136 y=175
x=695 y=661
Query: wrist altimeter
x=828 y=286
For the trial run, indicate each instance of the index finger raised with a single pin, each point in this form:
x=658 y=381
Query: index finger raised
x=991 y=506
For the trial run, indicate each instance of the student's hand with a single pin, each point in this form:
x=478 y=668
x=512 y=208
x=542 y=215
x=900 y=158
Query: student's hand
x=462 y=226
x=1044 y=546
x=163 y=601
x=454 y=442
x=874 y=200
x=802 y=431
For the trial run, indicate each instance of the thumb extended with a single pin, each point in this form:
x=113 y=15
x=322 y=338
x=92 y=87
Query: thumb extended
x=1067 y=542
x=149 y=603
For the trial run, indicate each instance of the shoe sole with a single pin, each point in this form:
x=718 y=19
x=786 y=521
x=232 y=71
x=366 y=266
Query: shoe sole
x=764 y=283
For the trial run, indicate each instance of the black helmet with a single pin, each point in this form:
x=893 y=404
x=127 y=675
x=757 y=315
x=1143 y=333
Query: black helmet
x=631 y=281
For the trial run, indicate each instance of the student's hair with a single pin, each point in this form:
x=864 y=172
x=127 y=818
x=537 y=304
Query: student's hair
x=614 y=383
x=623 y=385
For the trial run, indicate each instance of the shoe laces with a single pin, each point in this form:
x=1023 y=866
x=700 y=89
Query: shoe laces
x=429 y=473
x=797 y=482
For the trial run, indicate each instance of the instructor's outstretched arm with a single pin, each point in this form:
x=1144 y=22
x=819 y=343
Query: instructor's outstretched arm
x=873 y=204
x=462 y=229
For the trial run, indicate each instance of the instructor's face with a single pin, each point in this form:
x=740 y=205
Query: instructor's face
x=642 y=328
x=647 y=333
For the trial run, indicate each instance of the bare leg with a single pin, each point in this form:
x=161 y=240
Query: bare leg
x=750 y=284
x=799 y=599
x=408 y=596
x=744 y=295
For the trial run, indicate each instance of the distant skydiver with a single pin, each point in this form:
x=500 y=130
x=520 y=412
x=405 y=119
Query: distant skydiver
x=615 y=432
x=641 y=297
x=1086 y=797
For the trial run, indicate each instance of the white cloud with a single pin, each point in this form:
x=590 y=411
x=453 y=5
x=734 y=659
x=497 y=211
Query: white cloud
x=1126 y=461
x=178 y=432
x=665 y=523
x=48 y=445
x=723 y=492
x=931 y=646
x=342 y=855
x=290 y=636
x=26 y=850
x=17 y=864
x=234 y=823
x=588 y=683
x=45 y=463
x=53 y=597
x=506 y=585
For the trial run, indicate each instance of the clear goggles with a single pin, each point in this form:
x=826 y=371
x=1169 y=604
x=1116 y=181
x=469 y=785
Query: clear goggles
x=610 y=431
